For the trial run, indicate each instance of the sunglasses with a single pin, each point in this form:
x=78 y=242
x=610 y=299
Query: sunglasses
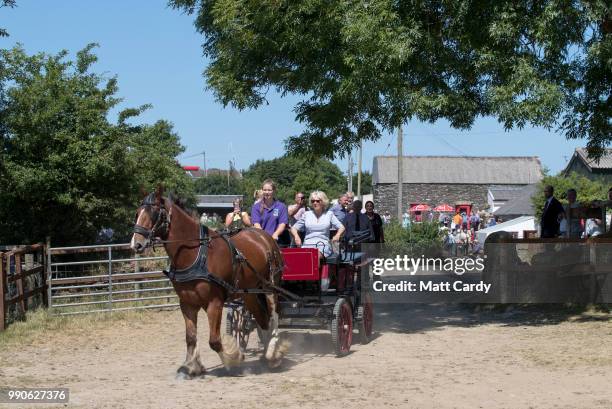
x=315 y=201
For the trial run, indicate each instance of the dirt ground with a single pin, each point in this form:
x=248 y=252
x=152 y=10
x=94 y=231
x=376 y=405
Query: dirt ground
x=423 y=357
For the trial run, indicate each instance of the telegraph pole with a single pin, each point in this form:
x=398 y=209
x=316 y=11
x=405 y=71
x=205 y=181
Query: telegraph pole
x=228 y=173
x=400 y=172
x=204 y=157
x=359 y=170
x=350 y=173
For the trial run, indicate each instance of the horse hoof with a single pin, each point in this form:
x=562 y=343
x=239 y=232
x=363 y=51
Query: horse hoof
x=182 y=376
x=184 y=373
x=275 y=363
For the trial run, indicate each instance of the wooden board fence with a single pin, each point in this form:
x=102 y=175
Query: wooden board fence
x=15 y=266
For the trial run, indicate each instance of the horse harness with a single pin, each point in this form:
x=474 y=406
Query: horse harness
x=198 y=269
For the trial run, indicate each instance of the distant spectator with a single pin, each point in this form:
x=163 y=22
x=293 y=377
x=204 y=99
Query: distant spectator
x=357 y=223
x=238 y=218
x=457 y=219
x=350 y=196
x=570 y=227
x=492 y=221
x=296 y=211
x=386 y=217
x=441 y=218
x=406 y=220
x=204 y=219
x=257 y=196
x=376 y=221
x=339 y=209
x=551 y=215
x=450 y=243
x=475 y=221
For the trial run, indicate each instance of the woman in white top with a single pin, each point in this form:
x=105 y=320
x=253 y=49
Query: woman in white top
x=316 y=224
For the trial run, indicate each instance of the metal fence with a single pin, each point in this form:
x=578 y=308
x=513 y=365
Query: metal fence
x=105 y=278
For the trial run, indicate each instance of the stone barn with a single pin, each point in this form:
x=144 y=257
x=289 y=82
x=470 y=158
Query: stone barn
x=434 y=180
x=593 y=169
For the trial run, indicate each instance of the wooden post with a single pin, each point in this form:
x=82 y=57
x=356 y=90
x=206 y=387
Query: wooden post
x=359 y=170
x=2 y=278
x=19 y=283
x=49 y=300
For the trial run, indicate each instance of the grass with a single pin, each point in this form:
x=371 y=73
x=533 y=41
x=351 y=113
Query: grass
x=40 y=324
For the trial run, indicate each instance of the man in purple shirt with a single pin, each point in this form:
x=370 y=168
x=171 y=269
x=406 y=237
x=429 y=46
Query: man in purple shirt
x=269 y=214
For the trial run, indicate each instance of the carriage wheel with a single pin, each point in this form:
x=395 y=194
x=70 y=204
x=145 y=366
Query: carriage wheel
x=342 y=327
x=366 y=313
x=239 y=324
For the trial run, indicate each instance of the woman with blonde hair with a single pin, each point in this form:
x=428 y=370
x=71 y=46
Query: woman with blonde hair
x=316 y=224
x=238 y=218
x=269 y=213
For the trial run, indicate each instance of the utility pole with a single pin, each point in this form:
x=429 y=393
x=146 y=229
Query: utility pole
x=204 y=157
x=228 y=173
x=359 y=170
x=350 y=173
x=400 y=172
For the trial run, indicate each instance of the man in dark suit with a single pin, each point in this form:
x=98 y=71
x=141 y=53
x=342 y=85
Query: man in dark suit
x=553 y=210
x=357 y=224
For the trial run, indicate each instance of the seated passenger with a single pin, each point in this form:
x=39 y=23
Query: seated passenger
x=358 y=224
x=316 y=224
x=237 y=219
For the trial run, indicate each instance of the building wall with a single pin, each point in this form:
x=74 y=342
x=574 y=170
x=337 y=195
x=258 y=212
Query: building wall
x=601 y=175
x=385 y=195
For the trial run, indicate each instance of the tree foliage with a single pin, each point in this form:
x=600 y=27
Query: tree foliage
x=6 y=3
x=587 y=190
x=365 y=67
x=66 y=171
x=292 y=174
x=217 y=184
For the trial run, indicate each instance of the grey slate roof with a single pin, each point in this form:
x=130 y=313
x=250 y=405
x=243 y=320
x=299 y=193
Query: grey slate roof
x=605 y=162
x=216 y=200
x=488 y=170
x=521 y=204
x=505 y=192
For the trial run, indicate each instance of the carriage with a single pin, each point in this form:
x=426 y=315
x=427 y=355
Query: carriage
x=317 y=292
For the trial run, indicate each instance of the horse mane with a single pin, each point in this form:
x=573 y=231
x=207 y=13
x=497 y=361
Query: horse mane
x=182 y=204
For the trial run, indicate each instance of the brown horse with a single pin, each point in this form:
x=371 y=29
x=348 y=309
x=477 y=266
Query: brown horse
x=249 y=259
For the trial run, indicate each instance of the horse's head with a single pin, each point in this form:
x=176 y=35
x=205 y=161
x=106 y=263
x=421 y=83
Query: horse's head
x=152 y=221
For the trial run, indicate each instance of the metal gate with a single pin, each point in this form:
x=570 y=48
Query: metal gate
x=105 y=278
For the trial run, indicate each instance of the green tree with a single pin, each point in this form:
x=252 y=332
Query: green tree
x=6 y=3
x=366 y=183
x=216 y=184
x=365 y=67
x=292 y=174
x=587 y=190
x=65 y=170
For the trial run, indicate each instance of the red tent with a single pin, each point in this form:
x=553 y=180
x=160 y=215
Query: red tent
x=419 y=208
x=444 y=208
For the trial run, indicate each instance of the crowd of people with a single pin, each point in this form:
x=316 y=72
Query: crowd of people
x=557 y=220
x=309 y=222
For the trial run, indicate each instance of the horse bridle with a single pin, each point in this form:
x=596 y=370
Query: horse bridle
x=160 y=218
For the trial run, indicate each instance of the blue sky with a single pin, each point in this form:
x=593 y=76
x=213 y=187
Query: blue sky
x=157 y=56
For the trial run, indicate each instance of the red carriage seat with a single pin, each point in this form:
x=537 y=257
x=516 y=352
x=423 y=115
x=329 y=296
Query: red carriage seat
x=301 y=264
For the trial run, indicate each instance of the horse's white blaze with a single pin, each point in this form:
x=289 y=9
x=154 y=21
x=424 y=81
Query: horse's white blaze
x=139 y=222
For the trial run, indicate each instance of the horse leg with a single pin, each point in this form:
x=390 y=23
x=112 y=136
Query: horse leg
x=225 y=346
x=265 y=312
x=192 y=365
